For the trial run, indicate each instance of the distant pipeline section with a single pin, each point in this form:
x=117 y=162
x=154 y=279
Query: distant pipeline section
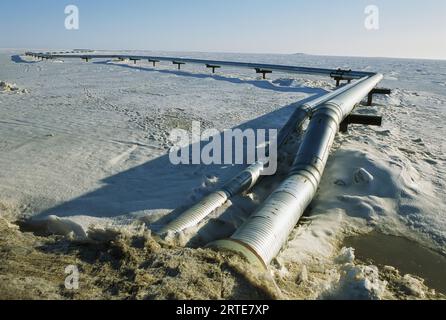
x=337 y=74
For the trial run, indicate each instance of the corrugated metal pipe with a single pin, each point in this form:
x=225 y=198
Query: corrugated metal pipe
x=263 y=235
x=244 y=181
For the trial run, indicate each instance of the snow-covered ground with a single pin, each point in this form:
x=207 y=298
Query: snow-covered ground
x=88 y=143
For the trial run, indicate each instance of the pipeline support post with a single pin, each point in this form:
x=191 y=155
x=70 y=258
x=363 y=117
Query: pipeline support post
x=154 y=62
x=376 y=91
x=263 y=72
x=213 y=67
x=178 y=63
x=341 y=75
x=360 y=119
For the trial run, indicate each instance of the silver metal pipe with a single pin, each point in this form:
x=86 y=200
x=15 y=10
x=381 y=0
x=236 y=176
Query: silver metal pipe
x=261 y=238
x=244 y=181
x=193 y=216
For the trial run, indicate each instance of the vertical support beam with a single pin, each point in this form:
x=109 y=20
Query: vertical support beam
x=178 y=64
x=213 y=67
x=376 y=91
x=263 y=72
x=370 y=99
x=338 y=81
x=153 y=62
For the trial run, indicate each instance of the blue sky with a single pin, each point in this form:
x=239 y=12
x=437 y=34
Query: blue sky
x=408 y=28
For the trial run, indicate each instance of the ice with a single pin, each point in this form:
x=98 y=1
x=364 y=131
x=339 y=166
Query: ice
x=360 y=283
x=362 y=176
x=414 y=286
x=347 y=255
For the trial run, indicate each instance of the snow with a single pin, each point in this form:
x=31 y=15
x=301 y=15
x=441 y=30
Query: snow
x=360 y=283
x=85 y=145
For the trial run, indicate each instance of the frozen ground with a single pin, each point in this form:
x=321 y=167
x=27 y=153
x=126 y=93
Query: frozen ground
x=87 y=143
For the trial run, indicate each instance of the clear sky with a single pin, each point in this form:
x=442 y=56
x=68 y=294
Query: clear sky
x=408 y=28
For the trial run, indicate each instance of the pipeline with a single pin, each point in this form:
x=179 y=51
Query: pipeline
x=344 y=74
x=263 y=235
x=249 y=177
x=261 y=238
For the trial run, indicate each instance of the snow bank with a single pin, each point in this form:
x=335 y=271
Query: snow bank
x=11 y=87
x=359 y=283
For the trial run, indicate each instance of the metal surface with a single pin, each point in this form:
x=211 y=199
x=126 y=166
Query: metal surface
x=268 y=229
x=192 y=217
x=241 y=183
x=360 y=119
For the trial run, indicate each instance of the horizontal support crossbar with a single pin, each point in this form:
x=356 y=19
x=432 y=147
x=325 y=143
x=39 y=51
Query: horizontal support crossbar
x=381 y=91
x=178 y=63
x=360 y=119
x=377 y=91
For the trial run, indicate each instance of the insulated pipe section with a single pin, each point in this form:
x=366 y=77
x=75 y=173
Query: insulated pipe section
x=241 y=183
x=249 y=177
x=192 y=217
x=261 y=238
